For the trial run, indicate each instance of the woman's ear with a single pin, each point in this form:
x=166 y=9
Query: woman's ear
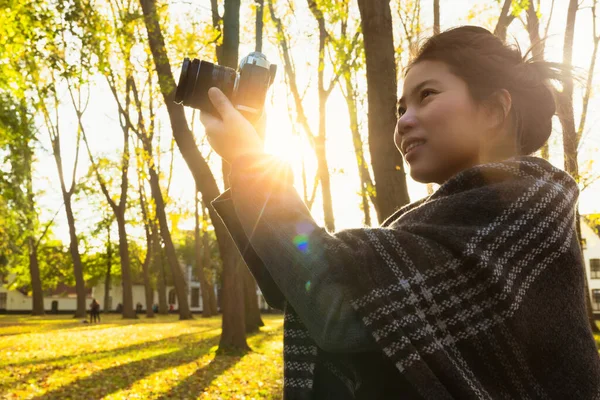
x=499 y=106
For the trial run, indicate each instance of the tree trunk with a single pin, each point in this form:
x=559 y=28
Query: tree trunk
x=31 y=216
x=108 y=272
x=505 y=19
x=233 y=328
x=212 y=300
x=204 y=288
x=301 y=115
x=36 y=283
x=148 y=290
x=128 y=311
x=537 y=50
x=366 y=185
x=120 y=207
x=259 y=24
x=320 y=145
x=436 y=17
x=150 y=253
x=570 y=140
x=159 y=269
x=565 y=99
x=390 y=181
x=77 y=264
x=229 y=57
x=323 y=171
x=253 y=319
x=176 y=272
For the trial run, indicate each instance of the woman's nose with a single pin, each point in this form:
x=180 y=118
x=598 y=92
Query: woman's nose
x=406 y=122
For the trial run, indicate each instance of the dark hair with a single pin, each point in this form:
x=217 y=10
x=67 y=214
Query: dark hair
x=487 y=65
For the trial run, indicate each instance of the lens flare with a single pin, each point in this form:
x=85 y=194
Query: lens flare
x=301 y=242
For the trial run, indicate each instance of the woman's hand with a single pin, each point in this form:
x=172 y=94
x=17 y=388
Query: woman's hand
x=232 y=135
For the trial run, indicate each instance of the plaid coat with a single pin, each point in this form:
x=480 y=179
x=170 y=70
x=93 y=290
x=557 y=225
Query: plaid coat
x=474 y=293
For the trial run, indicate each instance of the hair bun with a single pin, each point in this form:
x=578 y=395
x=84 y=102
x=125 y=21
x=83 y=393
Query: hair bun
x=533 y=94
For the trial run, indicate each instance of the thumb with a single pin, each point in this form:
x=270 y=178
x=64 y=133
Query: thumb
x=220 y=101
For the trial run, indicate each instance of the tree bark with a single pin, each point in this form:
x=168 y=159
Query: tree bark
x=77 y=264
x=107 y=278
x=158 y=267
x=590 y=77
x=54 y=131
x=31 y=216
x=233 y=329
x=36 y=283
x=537 y=52
x=259 y=24
x=505 y=19
x=570 y=140
x=228 y=56
x=390 y=181
x=366 y=185
x=120 y=207
x=128 y=310
x=206 y=262
x=253 y=319
x=565 y=98
x=436 y=17
x=148 y=290
x=321 y=140
x=204 y=288
x=176 y=271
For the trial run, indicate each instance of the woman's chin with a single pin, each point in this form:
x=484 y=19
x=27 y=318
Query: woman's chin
x=423 y=175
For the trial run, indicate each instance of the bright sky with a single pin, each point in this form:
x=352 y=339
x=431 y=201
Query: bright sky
x=101 y=119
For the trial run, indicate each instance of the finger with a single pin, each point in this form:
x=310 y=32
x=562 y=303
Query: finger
x=220 y=101
x=209 y=121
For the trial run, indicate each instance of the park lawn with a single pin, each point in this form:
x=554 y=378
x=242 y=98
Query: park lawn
x=58 y=357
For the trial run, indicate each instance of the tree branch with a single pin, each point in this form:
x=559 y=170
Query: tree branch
x=590 y=77
x=48 y=225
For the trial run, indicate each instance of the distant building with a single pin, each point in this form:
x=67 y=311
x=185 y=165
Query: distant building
x=194 y=294
x=591 y=254
x=61 y=299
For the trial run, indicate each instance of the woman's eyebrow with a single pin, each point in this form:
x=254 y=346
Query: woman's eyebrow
x=417 y=88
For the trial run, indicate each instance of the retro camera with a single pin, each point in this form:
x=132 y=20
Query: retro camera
x=245 y=88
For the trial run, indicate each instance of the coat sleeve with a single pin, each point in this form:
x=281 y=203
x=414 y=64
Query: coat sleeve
x=223 y=205
x=278 y=228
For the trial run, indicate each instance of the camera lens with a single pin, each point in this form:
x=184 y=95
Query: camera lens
x=181 y=86
x=199 y=76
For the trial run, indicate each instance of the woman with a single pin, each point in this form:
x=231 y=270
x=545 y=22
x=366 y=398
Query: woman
x=474 y=292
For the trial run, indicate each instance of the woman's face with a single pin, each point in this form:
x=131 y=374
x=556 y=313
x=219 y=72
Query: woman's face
x=440 y=129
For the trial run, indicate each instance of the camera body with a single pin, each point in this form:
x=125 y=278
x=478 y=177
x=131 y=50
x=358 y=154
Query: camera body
x=246 y=88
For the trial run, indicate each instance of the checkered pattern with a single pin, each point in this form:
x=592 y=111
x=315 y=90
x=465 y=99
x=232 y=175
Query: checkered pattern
x=475 y=293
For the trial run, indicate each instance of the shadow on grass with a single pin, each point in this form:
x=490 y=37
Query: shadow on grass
x=193 y=386
x=97 y=355
x=40 y=374
x=113 y=379
x=72 y=326
x=49 y=323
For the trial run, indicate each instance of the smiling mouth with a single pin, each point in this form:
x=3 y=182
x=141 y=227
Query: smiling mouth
x=411 y=147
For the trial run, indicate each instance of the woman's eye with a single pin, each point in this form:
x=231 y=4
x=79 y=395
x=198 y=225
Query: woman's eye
x=401 y=111
x=426 y=93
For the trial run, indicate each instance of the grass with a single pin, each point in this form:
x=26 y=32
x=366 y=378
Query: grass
x=57 y=357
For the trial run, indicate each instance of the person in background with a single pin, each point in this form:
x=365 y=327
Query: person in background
x=94 y=311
